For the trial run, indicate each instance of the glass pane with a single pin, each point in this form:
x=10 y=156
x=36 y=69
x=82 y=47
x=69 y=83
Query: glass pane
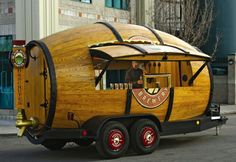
x=108 y=3
x=115 y=77
x=86 y=1
x=6 y=82
x=5 y=43
x=125 y=4
x=117 y=4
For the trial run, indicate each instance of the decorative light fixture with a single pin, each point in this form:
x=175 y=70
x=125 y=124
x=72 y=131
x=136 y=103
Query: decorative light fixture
x=18 y=58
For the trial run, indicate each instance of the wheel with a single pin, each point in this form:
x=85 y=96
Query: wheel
x=113 y=140
x=54 y=144
x=84 y=142
x=145 y=136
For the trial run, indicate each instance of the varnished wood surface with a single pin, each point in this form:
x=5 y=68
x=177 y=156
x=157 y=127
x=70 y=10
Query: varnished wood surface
x=120 y=50
x=19 y=83
x=75 y=78
x=36 y=89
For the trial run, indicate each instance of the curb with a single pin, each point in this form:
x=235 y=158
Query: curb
x=228 y=113
x=7 y=117
x=8 y=135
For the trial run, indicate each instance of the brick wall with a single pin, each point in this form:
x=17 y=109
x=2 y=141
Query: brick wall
x=7 y=17
x=72 y=13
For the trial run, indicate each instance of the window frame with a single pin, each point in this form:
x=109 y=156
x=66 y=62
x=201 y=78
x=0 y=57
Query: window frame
x=121 y=5
x=82 y=1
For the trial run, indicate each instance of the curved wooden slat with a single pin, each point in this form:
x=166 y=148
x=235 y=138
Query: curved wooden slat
x=114 y=31
x=156 y=35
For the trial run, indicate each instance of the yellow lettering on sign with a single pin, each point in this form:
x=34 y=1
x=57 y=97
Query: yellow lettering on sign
x=19 y=87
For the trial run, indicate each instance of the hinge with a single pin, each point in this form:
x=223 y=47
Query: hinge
x=44 y=73
x=45 y=104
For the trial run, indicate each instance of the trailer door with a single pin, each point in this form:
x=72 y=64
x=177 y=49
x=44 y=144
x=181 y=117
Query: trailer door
x=37 y=82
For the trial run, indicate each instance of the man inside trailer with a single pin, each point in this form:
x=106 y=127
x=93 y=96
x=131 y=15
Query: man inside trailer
x=135 y=75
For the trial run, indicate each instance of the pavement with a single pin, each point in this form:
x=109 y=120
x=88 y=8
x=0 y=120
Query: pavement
x=7 y=122
x=7 y=127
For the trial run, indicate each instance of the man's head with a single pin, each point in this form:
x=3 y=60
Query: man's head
x=135 y=64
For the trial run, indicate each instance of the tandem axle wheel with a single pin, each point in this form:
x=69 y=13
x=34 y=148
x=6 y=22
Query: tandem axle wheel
x=114 y=138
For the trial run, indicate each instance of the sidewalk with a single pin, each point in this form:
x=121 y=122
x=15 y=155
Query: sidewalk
x=228 y=109
x=7 y=127
x=7 y=124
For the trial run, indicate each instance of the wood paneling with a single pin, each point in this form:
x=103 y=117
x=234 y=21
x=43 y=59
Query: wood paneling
x=37 y=90
x=75 y=78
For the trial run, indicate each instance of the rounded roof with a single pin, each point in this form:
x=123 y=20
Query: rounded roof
x=105 y=37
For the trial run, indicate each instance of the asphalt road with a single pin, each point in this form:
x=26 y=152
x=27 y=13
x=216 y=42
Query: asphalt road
x=202 y=146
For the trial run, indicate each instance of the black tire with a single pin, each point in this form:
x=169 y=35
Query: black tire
x=54 y=144
x=145 y=136
x=84 y=142
x=113 y=140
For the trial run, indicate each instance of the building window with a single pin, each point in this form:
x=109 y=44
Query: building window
x=169 y=15
x=6 y=43
x=108 y=3
x=6 y=74
x=84 y=1
x=119 y=4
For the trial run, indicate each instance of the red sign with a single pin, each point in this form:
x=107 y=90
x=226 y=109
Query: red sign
x=151 y=98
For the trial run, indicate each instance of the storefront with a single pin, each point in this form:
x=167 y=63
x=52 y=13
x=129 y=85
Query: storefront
x=6 y=74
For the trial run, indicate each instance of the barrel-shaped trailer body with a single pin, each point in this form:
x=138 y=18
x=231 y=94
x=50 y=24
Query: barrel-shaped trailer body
x=71 y=68
x=66 y=79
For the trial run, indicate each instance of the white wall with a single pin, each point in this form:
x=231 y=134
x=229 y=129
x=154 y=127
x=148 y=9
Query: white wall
x=145 y=12
x=220 y=93
x=36 y=19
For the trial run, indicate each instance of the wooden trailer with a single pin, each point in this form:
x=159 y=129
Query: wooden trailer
x=71 y=86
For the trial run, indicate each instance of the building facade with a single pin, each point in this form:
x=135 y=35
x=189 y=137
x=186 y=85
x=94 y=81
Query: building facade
x=224 y=68
x=57 y=15
x=7 y=17
x=176 y=17
x=34 y=19
x=7 y=33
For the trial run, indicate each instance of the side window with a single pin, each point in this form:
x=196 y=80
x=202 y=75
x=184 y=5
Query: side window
x=100 y=67
x=167 y=74
x=110 y=75
x=115 y=79
x=116 y=75
x=159 y=74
